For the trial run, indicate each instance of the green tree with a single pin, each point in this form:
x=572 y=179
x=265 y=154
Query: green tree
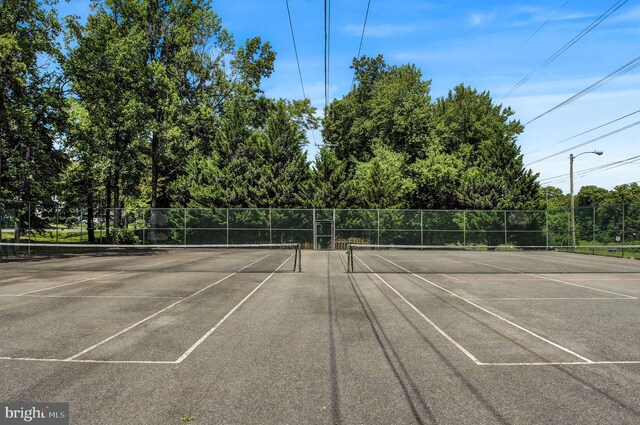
x=32 y=115
x=264 y=162
x=387 y=104
x=625 y=193
x=437 y=180
x=155 y=77
x=105 y=67
x=482 y=135
x=329 y=187
x=460 y=151
x=382 y=182
x=83 y=180
x=555 y=199
x=269 y=167
x=591 y=195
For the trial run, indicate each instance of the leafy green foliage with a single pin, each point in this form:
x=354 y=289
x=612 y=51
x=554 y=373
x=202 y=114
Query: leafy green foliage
x=382 y=181
x=436 y=179
x=458 y=152
x=32 y=106
x=329 y=182
x=469 y=126
x=388 y=105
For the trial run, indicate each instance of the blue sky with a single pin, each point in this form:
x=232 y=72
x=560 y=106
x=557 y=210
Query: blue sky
x=489 y=45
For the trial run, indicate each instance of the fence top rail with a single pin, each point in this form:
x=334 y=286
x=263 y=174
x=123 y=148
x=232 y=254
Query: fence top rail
x=292 y=245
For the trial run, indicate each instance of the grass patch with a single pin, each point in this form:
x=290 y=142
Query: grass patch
x=611 y=251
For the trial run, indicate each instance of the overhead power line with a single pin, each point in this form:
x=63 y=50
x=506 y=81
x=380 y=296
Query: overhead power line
x=617 y=5
x=587 y=171
x=327 y=49
x=619 y=130
x=364 y=26
x=545 y=23
x=629 y=66
x=583 y=133
x=295 y=49
x=608 y=166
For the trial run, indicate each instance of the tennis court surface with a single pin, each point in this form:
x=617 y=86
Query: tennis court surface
x=240 y=335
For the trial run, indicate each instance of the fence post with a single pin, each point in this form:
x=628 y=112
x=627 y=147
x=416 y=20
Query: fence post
x=185 y=226
x=29 y=227
x=464 y=227
x=378 y=228
x=227 y=226
x=421 y=229
x=270 y=227
x=57 y=222
x=81 y=218
x=623 y=227
x=505 y=228
x=569 y=230
x=333 y=231
x=593 y=250
x=315 y=232
x=546 y=219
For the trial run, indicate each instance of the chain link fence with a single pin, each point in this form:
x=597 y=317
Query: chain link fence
x=612 y=226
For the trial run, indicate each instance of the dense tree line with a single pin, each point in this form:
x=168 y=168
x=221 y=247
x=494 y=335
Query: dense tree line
x=399 y=148
x=153 y=103
x=593 y=195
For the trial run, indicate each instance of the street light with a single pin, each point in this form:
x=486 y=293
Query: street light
x=573 y=211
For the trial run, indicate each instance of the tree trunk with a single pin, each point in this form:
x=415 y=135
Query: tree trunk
x=107 y=214
x=154 y=169
x=154 y=187
x=116 y=199
x=91 y=232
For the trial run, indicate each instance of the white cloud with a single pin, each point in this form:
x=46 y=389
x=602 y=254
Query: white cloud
x=573 y=16
x=477 y=19
x=630 y=16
